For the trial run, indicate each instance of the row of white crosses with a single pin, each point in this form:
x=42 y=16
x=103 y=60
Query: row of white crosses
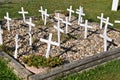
x=67 y=22
x=104 y=35
x=43 y=14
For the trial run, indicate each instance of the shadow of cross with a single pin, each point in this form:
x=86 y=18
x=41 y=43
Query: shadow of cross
x=66 y=49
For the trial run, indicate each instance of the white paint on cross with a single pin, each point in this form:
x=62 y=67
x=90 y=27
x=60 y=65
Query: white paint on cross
x=16 y=46
x=117 y=21
x=101 y=20
x=45 y=16
x=30 y=24
x=106 y=25
x=115 y=5
x=106 y=38
x=23 y=13
x=58 y=19
x=30 y=38
x=8 y=20
x=67 y=23
x=85 y=26
x=1 y=32
x=58 y=32
x=41 y=10
x=70 y=12
x=80 y=14
x=49 y=42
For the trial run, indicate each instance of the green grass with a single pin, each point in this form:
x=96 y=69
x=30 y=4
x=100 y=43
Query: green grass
x=109 y=71
x=92 y=8
x=5 y=72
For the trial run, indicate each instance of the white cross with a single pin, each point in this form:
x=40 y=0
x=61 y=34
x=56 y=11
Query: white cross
x=30 y=39
x=86 y=26
x=23 y=13
x=45 y=16
x=106 y=38
x=101 y=20
x=41 y=10
x=8 y=19
x=70 y=12
x=117 y=21
x=49 y=42
x=16 y=46
x=30 y=24
x=106 y=25
x=115 y=5
x=66 y=24
x=1 y=32
x=58 y=32
x=80 y=13
x=58 y=19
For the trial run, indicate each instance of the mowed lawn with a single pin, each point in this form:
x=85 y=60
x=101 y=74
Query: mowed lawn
x=92 y=8
x=109 y=71
x=5 y=72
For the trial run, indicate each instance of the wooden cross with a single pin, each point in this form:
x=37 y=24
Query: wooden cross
x=70 y=12
x=67 y=23
x=86 y=26
x=1 y=32
x=41 y=10
x=49 y=42
x=106 y=24
x=80 y=13
x=101 y=20
x=115 y=5
x=45 y=16
x=30 y=24
x=16 y=46
x=106 y=38
x=23 y=13
x=8 y=20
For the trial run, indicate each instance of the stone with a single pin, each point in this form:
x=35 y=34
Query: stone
x=1 y=32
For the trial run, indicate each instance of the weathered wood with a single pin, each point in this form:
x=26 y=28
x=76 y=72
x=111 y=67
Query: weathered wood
x=78 y=65
x=18 y=69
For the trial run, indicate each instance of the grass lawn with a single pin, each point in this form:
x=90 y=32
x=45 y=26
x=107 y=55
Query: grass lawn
x=5 y=72
x=109 y=71
x=92 y=8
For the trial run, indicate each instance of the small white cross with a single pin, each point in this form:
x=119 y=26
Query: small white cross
x=30 y=39
x=101 y=20
x=45 y=16
x=106 y=38
x=30 y=24
x=23 y=13
x=86 y=26
x=67 y=23
x=58 y=19
x=117 y=21
x=58 y=32
x=41 y=10
x=80 y=13
x=1 y=32
x=70 y=12
x=106 y=25
x=8 y=20
x=16 y=46
x=49 y=42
